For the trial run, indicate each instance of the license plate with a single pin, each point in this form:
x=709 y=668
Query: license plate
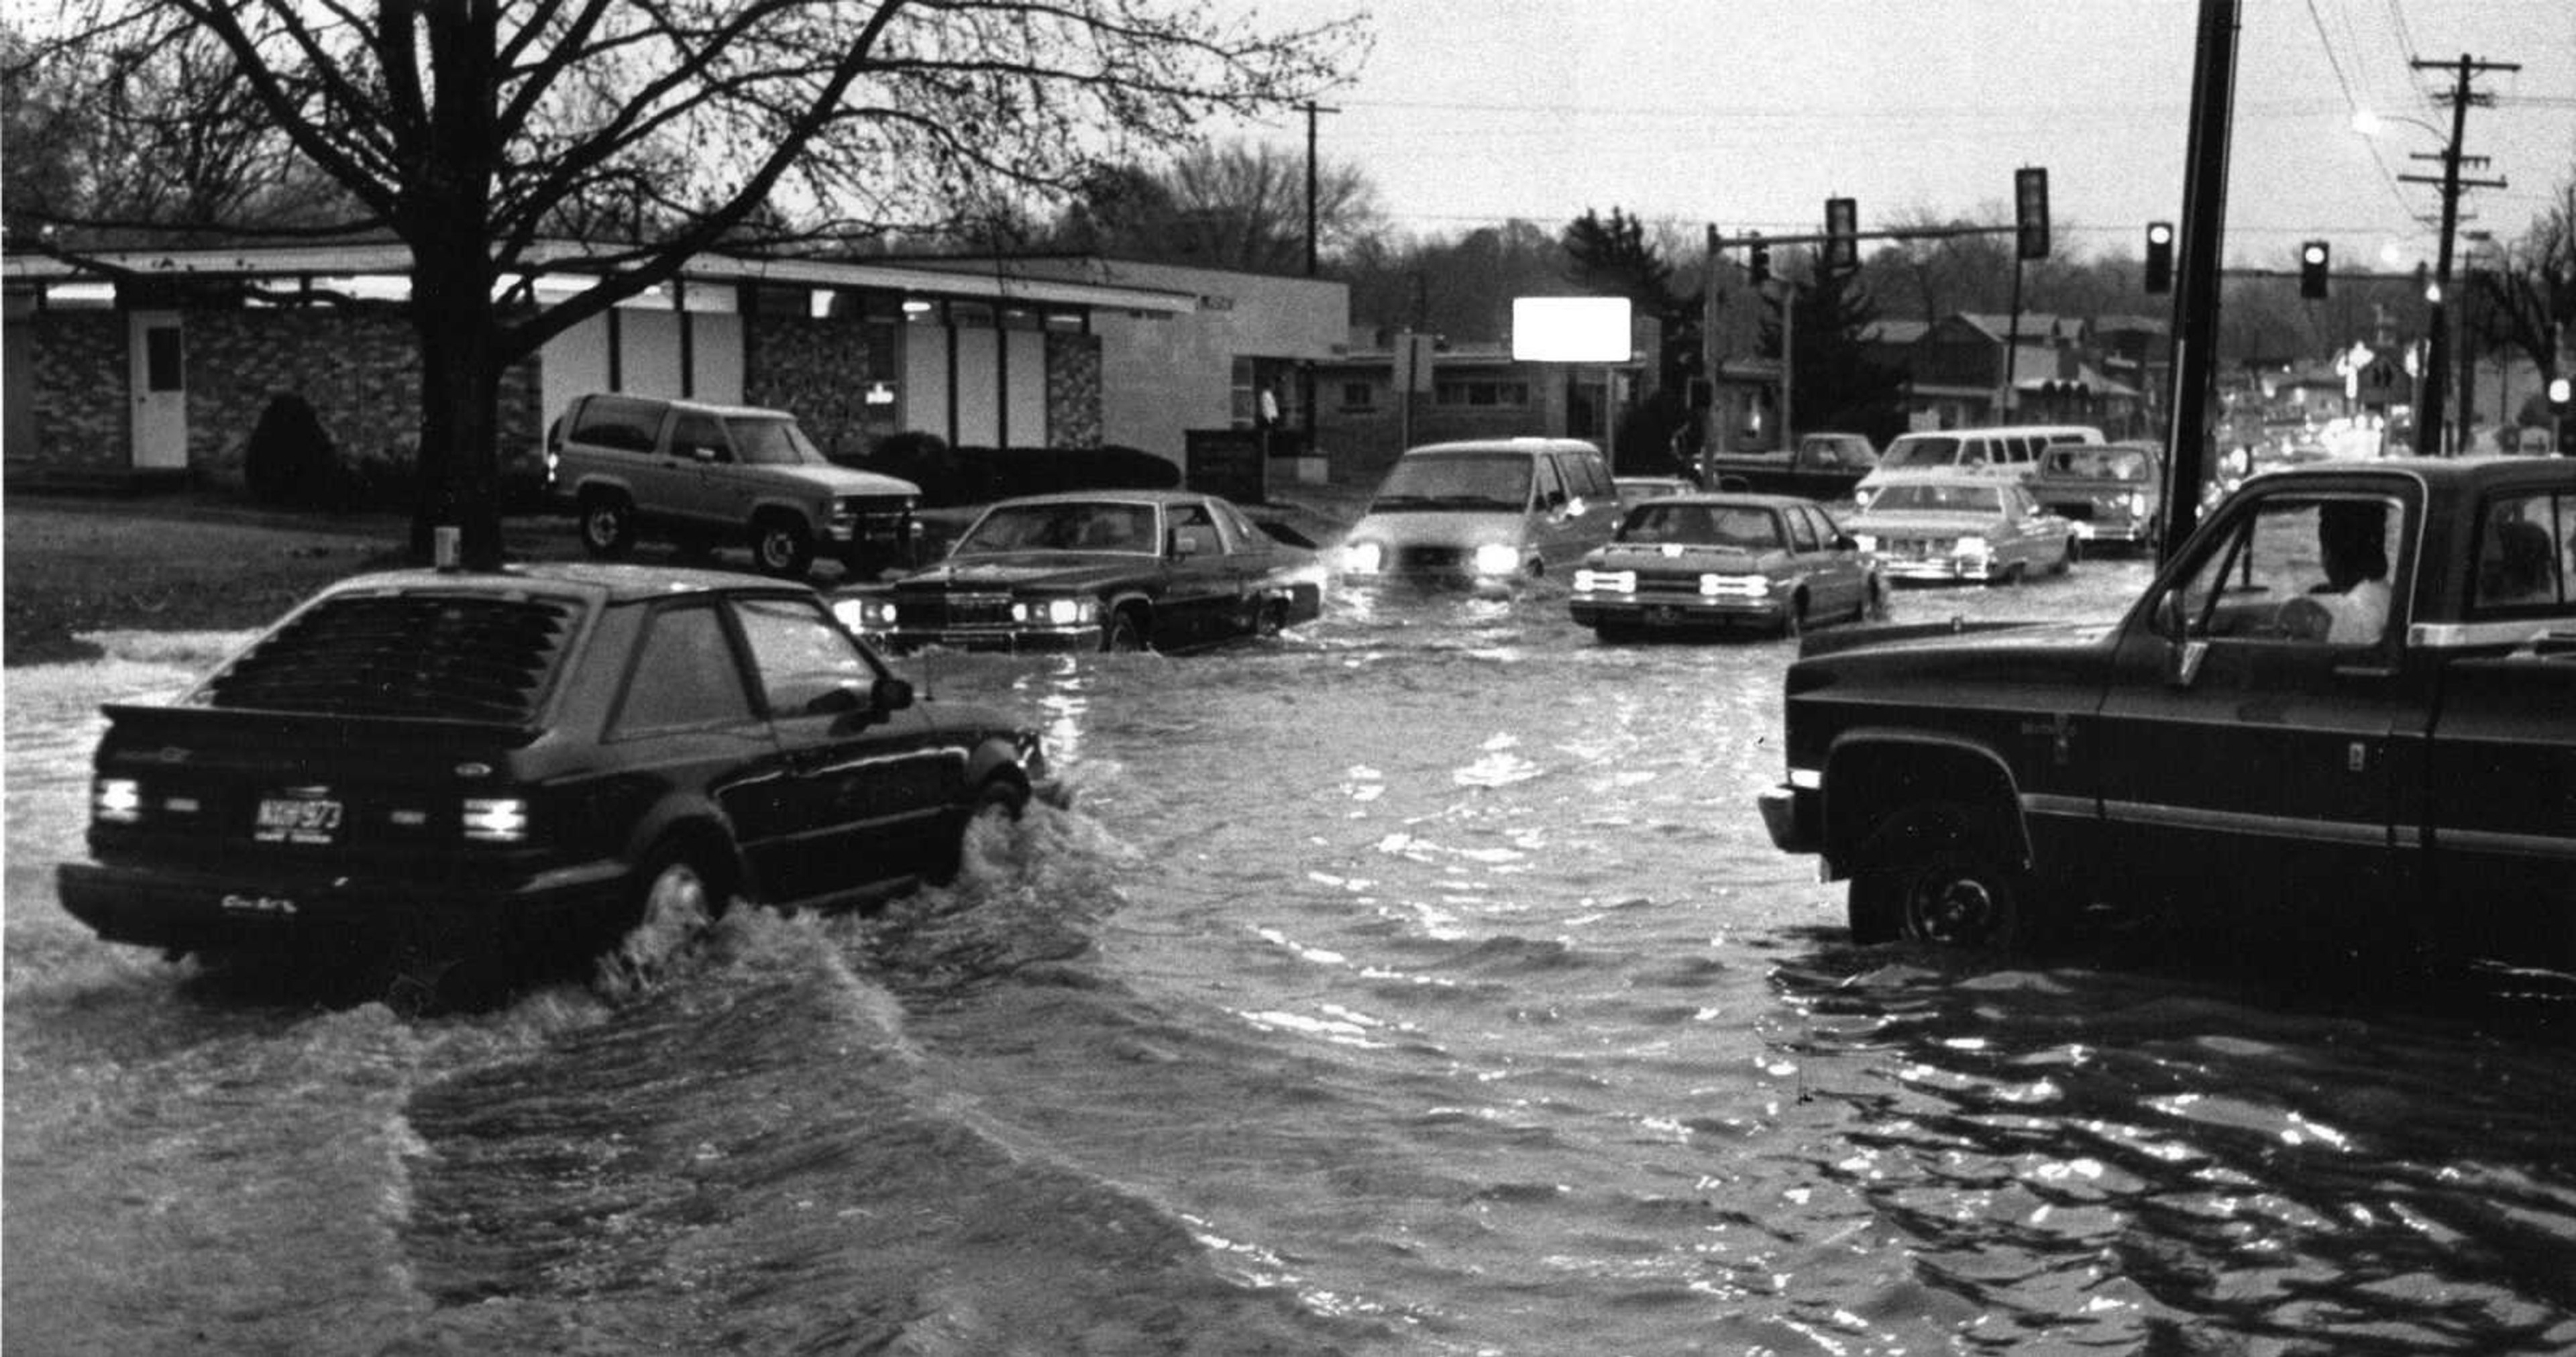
x=1664 y=615
x=296 y=819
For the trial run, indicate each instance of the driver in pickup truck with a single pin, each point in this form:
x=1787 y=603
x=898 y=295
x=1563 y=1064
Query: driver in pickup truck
x=2351 y=606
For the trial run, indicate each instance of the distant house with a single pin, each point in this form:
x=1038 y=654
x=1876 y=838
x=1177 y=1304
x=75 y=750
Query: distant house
x=1969 y=369
x=1364 y=420
x=159 y=362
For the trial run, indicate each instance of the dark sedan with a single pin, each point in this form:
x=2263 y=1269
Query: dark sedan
x=436 y=764
x=1104 y=570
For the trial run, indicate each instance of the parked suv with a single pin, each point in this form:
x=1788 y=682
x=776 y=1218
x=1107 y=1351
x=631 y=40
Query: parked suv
x=697 y=474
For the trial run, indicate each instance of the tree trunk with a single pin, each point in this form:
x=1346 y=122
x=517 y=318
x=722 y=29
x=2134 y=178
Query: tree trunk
x=459 y=473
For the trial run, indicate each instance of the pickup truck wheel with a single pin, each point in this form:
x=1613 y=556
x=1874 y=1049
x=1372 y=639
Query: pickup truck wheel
x=607 y=524
x=782 y=546
x=1964 y=897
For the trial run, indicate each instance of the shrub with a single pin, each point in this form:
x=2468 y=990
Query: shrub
x=290 y=459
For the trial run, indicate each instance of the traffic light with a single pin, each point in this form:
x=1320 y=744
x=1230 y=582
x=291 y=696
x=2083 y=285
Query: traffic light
x=1760 y=268
x=2160 y=243
x=2313 y=258
x=2030 y=213
x=1842 y=234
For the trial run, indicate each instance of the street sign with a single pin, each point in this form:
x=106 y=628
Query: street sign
x=2380 y=383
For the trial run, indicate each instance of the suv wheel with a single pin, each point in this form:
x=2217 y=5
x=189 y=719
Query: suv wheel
x=782 y=546
x=607 y=523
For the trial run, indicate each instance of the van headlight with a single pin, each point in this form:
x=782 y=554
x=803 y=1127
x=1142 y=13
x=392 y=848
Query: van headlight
x=1865 y=541
x=1497 y=558
x=1605 y=581
x=1363 y=558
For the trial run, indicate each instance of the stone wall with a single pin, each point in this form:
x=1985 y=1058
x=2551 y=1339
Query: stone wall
x=359 y=367
x=79 y=391
x=816 y=369
x=1073 y=390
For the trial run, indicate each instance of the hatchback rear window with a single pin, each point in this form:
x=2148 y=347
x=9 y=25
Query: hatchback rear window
x=481 y=657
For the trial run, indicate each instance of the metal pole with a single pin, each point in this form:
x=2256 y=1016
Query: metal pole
x=2195 y=323
x=1788 y=363
x=2429 y=433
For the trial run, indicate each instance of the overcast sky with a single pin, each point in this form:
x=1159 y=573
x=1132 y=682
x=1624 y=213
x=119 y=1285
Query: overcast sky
x=1749 y=113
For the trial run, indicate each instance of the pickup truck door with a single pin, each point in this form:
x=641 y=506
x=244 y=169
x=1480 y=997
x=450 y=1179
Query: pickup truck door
x=2242 y=761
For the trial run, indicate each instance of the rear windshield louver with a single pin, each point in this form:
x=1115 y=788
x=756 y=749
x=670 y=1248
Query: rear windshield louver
x=462 y=657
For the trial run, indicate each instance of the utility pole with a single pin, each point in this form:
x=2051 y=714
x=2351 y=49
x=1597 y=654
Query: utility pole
x=2195 y=323
x=2428 y=414
x=1306 y=370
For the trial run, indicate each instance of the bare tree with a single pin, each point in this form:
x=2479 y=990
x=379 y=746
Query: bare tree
x=479 y=133
x=1238 y=206
x=2529 y=302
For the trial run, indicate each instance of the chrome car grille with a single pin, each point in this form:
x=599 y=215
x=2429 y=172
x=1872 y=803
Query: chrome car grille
x=1430 y=558
x=952 y=610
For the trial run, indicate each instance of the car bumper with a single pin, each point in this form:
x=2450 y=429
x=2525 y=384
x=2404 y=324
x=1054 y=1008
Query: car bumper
x=1794 y=817
x=1010 y=640
x=1675 y=612
x=1941 y=568
x=2124 y=533
x=183 y=909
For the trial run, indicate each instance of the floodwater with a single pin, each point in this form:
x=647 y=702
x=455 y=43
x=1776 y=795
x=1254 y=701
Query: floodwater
x=1420 y=983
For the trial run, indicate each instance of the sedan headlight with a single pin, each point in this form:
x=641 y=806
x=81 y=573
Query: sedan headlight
x=1865 y=541
x=1738 y=586
x=1363 y=558
x=1497 y=558
x=1970 y=546
x=1057 y=612
x=1605 y=581
x=865 y=614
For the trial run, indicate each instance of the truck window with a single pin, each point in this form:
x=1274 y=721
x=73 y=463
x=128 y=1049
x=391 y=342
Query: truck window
x=2524 y=558
x=2299 y=569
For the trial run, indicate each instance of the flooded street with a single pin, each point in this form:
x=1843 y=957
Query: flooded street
x=1423 y=982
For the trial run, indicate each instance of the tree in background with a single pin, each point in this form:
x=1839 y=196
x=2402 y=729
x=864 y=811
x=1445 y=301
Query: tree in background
x=1834 y=382
x=2529 y=303
x=1238 y=206
x=474 y=131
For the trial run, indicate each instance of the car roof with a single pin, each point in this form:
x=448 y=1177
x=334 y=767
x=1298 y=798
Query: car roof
x=1733 y=500
x=698 y=406
x=602 y=582
x=1520 y=444
x=2446 y=472
x=1107 y=496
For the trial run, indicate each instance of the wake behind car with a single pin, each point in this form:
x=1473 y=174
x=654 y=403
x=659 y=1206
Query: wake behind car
x=700 y=474
x=1486 y=512
x=1962 y=525
x=1097 y=570
x=1698 y=562
x=435 y=763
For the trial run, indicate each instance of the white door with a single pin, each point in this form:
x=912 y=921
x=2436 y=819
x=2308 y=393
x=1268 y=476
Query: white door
x=160 y=386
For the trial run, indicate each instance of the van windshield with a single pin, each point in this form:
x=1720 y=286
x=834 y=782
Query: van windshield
x=1921 y=452
x=773 y=442
x=1464 y=481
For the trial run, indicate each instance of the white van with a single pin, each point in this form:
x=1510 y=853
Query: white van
x=1484 y=511
x=2006 y=448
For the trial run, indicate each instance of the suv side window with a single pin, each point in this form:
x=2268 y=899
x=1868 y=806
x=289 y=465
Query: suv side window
x=685 y=676
x=700 y=437
x=620 y=422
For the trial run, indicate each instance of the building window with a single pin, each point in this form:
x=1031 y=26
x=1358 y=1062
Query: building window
x=1482 y=393
x=1359 y=395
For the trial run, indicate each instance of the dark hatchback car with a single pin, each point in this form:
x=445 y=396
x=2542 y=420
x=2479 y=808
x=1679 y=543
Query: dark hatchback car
x=1126 y=570
x=448 y=763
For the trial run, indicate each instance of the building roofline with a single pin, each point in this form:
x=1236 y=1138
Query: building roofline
x=577 y=257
